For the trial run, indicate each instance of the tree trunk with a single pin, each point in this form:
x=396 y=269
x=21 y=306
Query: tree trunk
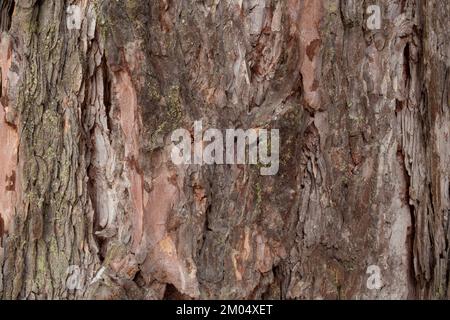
x=91 y=205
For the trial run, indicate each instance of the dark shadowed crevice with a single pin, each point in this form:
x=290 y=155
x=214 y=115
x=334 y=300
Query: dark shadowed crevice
x=411 y=232
x=6 y=12
x=172 y=293
x=107 y=94
x=406 y=66
x=274 y=290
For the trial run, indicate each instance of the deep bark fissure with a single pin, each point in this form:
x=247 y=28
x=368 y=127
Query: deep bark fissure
x=6 y=11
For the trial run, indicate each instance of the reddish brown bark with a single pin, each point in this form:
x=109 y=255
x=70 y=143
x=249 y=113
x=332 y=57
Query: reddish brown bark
x=88 y=191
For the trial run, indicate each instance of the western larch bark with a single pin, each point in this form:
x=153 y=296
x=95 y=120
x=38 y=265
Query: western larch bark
x=92 y=207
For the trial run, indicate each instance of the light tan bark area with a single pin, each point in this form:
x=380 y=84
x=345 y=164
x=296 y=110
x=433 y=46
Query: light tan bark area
x=91 y=205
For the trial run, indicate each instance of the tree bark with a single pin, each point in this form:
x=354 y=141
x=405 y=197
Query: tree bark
x=92 y=207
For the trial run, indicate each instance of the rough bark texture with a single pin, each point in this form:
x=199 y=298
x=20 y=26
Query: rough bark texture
x=86 y=178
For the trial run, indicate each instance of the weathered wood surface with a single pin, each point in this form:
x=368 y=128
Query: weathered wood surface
x=86 y=180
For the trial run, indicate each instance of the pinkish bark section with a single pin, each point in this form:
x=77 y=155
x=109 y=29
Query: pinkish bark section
x=151 y=208
x=8 y=141
x=309 y=13
x=129 y=121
